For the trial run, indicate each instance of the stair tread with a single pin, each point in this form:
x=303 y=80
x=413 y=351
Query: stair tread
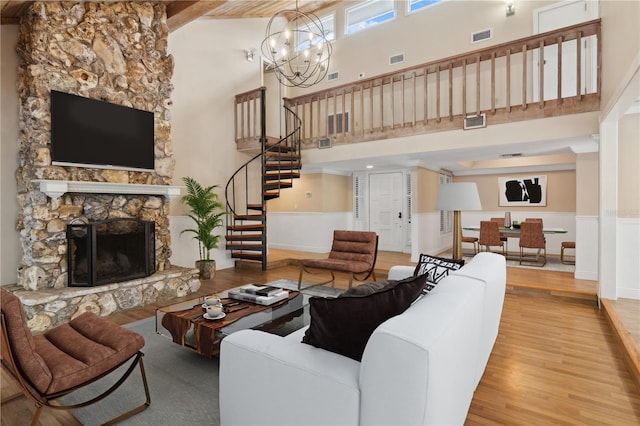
x=243 y=237
x=245 y=255
x=245 y=246
x=280 y=184
x=253 y=227
x=282 y=155
x=258 y=217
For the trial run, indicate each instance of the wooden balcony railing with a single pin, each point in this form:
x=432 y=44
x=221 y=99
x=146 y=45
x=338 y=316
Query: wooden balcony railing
x=248 y=120
x=505 y=83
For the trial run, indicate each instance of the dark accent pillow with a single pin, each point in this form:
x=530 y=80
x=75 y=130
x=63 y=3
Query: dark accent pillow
x=436 y=269
x=343 y=325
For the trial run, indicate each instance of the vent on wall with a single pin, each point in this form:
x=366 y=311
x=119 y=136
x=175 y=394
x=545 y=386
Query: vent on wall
x=333 y=76
x=324 y=143
x=396 y=59
x=475 y=122
x=481 y=35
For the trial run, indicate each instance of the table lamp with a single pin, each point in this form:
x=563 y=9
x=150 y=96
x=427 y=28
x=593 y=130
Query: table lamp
x=457 y=197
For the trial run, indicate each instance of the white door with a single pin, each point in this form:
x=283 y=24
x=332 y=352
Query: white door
x=556 y=16
x=386 y=213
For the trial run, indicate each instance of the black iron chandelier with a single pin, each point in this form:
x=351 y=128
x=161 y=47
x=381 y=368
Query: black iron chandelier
x=299 y=50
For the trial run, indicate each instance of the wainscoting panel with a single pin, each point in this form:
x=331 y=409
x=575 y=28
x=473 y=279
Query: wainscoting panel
x=587 y=248
x=628 y=253
x=312 y=232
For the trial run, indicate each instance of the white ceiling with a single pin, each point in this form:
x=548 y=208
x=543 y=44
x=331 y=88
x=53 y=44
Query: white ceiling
x=533 y=156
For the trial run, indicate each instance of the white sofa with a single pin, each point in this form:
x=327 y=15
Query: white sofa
x=418 y=368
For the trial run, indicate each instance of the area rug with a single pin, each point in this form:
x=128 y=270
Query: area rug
x=183 y=387
x=553 y=263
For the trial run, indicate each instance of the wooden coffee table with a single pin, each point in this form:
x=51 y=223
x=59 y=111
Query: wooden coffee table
x=185 y=324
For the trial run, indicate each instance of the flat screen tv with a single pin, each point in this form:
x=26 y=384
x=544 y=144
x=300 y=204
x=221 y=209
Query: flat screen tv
x=92 y=133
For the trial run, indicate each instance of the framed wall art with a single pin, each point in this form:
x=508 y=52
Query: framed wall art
x=522 y=191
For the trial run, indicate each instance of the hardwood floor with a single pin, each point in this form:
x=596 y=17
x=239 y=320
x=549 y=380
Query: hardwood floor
x=557 y=360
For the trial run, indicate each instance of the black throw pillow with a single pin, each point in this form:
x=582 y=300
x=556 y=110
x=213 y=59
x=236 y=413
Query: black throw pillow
x=343 y=325
x=436 y=269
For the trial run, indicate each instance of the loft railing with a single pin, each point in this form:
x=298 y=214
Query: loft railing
x=503 y=83
x=248 y=118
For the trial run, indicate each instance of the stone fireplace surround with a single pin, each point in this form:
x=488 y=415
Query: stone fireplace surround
x=117 y=52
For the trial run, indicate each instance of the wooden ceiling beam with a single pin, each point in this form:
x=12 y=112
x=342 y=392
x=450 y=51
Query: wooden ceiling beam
x=11 y=11
x=180 y=13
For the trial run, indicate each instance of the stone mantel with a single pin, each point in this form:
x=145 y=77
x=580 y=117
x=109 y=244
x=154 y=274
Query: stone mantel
x=57 y=188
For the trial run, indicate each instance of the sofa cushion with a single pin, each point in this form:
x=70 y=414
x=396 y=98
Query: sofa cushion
x=436 y=269
x=343 y=325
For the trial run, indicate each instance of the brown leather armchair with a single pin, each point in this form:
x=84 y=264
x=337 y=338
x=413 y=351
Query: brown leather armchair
x=61 y=360
x=352 y=252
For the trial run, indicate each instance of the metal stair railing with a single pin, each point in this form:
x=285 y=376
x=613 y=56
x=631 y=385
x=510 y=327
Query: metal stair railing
x=275 y=160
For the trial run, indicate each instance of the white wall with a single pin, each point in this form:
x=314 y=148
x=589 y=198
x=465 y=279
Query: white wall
x=210 y=69
x=10 y=250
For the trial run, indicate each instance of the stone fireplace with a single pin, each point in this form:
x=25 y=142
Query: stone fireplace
x=115 y=52
x=109 y=251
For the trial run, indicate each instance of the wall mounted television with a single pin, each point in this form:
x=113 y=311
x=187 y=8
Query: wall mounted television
x=92 y=133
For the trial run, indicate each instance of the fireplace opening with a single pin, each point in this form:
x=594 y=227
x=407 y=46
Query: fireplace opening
x=109 y=251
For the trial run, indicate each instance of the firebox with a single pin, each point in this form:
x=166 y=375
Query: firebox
x=111 y=250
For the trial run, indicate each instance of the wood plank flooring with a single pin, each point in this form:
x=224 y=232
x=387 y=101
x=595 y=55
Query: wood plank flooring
x=557 y=359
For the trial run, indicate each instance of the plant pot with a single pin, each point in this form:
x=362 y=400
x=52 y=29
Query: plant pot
x=207 y=268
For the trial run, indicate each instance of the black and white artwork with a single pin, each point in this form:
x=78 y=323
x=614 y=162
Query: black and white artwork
x=523 y=191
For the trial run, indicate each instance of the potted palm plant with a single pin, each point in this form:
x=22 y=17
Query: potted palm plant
x=206 y=212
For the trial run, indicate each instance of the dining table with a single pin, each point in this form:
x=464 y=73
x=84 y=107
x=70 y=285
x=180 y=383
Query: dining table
x=515 y=232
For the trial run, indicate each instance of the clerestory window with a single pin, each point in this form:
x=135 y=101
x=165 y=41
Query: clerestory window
x=367 y=14
x=414 y=5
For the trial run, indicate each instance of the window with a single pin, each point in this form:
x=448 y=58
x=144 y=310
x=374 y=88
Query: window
x=413 y=5
x=445 y=216
x=328 y=24
x=368 y=14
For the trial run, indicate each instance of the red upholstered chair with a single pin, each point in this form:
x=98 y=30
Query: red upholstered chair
x=50 y=365
x=490 y=236
x=531 y=237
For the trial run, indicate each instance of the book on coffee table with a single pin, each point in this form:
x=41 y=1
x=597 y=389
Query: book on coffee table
x=261 y=290
x=239 y=294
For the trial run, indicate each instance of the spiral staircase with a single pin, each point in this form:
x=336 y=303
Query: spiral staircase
x=275 y=166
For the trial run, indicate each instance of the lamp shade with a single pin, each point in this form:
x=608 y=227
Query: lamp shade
x=459 y=196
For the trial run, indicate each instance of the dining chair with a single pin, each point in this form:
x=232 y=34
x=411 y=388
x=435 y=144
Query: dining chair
x=563 y=257
x=531 y=237
x=534 y=219
x=471 y=240
x=503 y=238
x=539 y=220
x=490 y=236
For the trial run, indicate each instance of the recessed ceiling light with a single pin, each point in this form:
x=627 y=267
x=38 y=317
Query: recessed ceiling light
x=369 y=166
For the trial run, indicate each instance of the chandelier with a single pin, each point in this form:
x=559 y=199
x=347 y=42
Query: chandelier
x=298 y=50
